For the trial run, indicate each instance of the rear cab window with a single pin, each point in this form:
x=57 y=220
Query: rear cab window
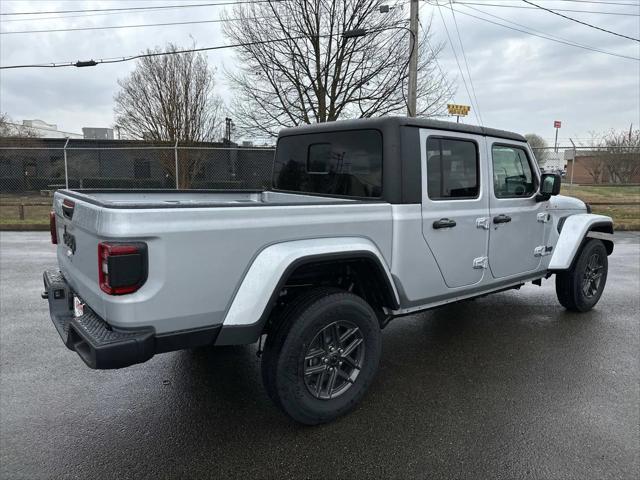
x=513 y=174
x=344 y=163
x=452 y=169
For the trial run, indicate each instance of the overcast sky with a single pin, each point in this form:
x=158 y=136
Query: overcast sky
x=522 y=83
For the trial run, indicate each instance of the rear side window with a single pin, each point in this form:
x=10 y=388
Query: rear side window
x=512 y=173
x=347 y=163
x=452 y=169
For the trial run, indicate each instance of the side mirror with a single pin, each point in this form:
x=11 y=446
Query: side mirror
x=549 y=185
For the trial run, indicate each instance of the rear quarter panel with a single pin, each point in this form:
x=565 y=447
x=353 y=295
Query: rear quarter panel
x=198 y=256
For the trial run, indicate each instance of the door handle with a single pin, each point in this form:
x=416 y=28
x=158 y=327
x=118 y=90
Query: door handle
x=501 y=219
x=444 y=223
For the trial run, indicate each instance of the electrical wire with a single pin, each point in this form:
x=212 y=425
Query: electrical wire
x=464 y=81
x=546 y=37
x=571 y=10
x=80 y=15
x=93 y=63
x=602 y=2
x=560 y=39
x=581 y=22
x=115 y=27
x=464 y=56
x=153 y=7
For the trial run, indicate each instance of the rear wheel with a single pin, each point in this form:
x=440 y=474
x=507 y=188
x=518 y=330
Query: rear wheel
x=580 y=287
x=322 y=356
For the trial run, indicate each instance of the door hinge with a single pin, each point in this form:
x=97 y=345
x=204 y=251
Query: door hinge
x=543 y=217
x=482 y=222
x=480 y=262
x=541 y=251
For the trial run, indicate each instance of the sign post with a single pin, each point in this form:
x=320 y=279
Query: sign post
x=556 y=124
x=458 y=110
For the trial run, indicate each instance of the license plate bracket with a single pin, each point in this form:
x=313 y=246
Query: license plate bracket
x=78 y=307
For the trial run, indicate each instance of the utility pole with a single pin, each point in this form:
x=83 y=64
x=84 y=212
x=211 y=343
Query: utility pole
x=413 y=61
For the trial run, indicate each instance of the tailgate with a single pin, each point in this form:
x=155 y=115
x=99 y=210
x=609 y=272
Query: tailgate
x=77 y=250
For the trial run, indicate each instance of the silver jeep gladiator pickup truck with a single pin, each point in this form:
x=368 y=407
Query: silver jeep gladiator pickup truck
x=366 y=220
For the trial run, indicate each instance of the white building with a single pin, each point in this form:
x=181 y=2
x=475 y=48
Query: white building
x=44 y=130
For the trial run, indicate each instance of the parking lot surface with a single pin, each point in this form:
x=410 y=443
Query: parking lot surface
x=507 y=386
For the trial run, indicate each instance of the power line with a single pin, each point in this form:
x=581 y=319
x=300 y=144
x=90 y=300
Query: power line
x=581 y=22
x=112 y=27
x=80 y=15
x=560 y=39
x=546 y=37
x=464 y=81
x=464 y=56
x=92 y=63
x=572 y=10
x=129 y=9
x=603 y=2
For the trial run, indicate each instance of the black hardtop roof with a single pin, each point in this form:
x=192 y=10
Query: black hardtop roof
x=387 y=122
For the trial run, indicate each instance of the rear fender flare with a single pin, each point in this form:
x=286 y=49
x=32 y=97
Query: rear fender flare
x=271 y=267
x=574 y=231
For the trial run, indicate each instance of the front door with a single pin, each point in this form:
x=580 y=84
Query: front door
x=455 y=205
x=517 y=219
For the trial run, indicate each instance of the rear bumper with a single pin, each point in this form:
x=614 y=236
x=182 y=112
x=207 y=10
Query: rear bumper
x=104 y=347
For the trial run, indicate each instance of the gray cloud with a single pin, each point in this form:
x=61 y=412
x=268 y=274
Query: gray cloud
x=522 y=83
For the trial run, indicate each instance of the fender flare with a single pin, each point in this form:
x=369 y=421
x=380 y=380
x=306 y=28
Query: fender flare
x=271 y=267
x=574 y=230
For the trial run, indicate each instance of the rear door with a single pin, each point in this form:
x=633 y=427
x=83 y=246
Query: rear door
x=455 y=207
x=516 y=242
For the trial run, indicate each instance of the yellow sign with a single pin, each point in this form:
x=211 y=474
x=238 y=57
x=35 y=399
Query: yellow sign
x=459 y=110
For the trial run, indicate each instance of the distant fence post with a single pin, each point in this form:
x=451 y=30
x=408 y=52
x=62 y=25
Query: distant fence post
x=66 y=167
x=175 y=151
x=573 y=162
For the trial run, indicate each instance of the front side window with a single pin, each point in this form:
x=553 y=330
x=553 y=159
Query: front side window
x=452 y=169
x=512 y=173
x=347 y=163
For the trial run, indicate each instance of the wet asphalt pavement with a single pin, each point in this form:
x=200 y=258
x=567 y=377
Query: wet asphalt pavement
x=508 y=386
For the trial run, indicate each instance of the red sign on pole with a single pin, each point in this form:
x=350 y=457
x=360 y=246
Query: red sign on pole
x=557 y=124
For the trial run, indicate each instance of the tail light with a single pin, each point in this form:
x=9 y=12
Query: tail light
x=122 y=267
x=52 y=227
x=68 y=207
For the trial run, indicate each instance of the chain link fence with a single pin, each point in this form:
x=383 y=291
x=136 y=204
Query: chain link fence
x=592 y=165
x=40 y=166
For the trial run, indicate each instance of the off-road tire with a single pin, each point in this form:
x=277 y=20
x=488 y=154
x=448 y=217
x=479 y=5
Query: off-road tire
x=283 y=359
x=570 y=284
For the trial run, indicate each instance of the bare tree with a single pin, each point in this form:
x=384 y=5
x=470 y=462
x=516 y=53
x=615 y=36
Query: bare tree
x=9 y=129
x=594 y=165
x=170 y=98
x=539 y=147
x=613 y=157
x=623 y=155
x=296 y=66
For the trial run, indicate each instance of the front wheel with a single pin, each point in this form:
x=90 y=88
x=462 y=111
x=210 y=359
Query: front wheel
x=580 y=287
x=322 y=356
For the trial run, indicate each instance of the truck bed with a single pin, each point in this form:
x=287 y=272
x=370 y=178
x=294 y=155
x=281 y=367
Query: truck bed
x=197 y=199
x=200 y=244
